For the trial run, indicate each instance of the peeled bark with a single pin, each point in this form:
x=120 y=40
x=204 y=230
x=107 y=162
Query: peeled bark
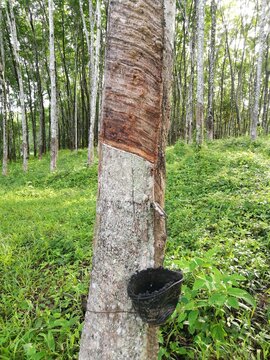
x=255 y=112
x=200 y=82
x=54 y=120
x=130 y=233
x=15 y=48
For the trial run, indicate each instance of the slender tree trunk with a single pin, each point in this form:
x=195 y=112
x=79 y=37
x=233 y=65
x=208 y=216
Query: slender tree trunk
x=189 y=111
x=255 y=112
x=266 y=88
x=94 y=90
x=54 y=119
x=30 y=103
x=210 y=115
x=221 y=94
x=234 y=103
x=130 y=234
x=3 y=99
x=200 y=80
x=42 y=131
x=76 y=98
x=13 y=32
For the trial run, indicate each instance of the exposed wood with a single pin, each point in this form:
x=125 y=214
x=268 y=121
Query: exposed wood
x=130 y=232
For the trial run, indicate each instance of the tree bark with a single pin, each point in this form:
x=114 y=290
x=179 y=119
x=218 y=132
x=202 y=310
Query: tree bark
x=200 y=82
x=3 y=98
x=189 y=112
x=255 y=112
x=42 y=131
x=54 y=119
x=32 y=115
x=76 y=96
x=130 y=234
x=210 y=115
x=95 y=80
x=266 y=89
x=15 y=48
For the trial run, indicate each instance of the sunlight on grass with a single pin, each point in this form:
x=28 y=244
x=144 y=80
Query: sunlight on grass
x=218 y=206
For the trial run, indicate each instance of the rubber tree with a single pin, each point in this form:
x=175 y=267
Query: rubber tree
x=255 y=113
x=200 y=80
x=212 y=52
x=3 y=98
x=54 y=119
x=18 y=63
x=130 y=225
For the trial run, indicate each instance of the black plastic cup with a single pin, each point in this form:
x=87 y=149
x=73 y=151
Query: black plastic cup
x=155 y=293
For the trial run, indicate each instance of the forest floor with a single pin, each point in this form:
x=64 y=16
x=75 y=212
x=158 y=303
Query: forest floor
x=218 y=207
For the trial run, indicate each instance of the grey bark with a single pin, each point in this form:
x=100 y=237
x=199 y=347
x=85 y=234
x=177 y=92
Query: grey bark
x=210 y=115
x=76 y=98
x=42 y=132
x=189 y=112
x=3 y=99
x=54 y=119
x=130 y=235
x=255 y=112
x=266 y=89
x=15 y=48
x=95 y=80
x=200 y=82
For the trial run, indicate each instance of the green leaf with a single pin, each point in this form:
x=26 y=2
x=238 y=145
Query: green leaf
x=50 y=341
x=236 y=292
x=190 y=305
x=238 y=277
x=242 y=294
x=182 y=317
x=199 y=284
x=192 y=317
x=218 y=332
x=182 y=351
x=218 y=299
x=233 y=302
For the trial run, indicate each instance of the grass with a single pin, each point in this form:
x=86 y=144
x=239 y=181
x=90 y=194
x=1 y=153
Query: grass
x=217 y=201
x=46 y=228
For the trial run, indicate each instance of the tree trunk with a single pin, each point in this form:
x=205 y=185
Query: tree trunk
x=255 y=112
x=266 y=88
x=130 y=234
x=42 y=131
x=94 y=90
x=13 y=32
x=189 y=112
x=3 y=98
x=54 y=119
x=234 y=103
x=210 y=115
x=200 y=82
x=76 y=97
x=32 y=115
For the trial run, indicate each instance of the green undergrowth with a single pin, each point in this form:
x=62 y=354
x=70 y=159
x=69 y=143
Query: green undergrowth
x=218 y=207
x=218 y=222
x=46 y=228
